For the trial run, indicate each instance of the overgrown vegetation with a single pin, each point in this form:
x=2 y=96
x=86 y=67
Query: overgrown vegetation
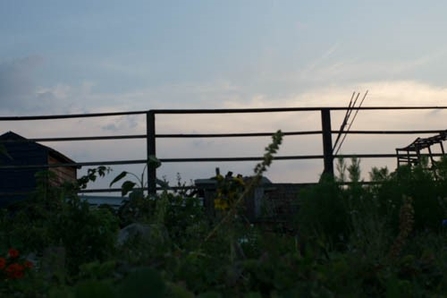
x=383 y=239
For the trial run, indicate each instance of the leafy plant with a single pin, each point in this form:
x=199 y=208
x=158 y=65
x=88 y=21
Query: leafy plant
x=56 y=216
x=143 y=282
x=420 y=184
x=260 y=168
x=353 y=240
x=323 y=212
x=227 y=190
x=139 y=207
x=87 y=234
x=137 y=188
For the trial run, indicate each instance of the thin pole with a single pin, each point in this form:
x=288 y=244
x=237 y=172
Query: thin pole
x=345 y=121
x=350 y=124
x=151 y=151
x=327 y=141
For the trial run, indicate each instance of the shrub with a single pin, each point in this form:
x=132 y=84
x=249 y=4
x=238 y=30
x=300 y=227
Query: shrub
x=419 y=184
x=323 y=212
x=87 y=234
x=56 y=216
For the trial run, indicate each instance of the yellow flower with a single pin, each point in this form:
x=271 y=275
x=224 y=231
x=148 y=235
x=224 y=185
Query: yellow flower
x=220 y=204
x=239 y=179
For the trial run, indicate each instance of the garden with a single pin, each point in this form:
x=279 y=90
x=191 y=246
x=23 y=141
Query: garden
x=386 y=238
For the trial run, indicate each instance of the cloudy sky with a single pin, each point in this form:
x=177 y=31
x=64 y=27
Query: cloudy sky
x=65 y=57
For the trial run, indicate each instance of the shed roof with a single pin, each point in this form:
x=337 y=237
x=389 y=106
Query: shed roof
x=12 y=136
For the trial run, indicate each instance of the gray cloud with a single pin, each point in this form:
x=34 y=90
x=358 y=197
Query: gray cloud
x=120 y=124
x=17 y=84
x=20 y=94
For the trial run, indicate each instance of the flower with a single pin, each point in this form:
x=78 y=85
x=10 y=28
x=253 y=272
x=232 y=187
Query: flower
x=13 y=253
x=27 y=264
x=220 y=204
x=18 y=274
x=15 y=271
x=12 y=266
x=239 y=180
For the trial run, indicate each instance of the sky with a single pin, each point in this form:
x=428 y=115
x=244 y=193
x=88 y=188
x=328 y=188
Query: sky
x=69 y=57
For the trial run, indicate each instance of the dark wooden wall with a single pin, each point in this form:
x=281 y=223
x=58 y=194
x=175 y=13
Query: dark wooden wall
x=22 y=154
x=17 y=183
x=63 y=174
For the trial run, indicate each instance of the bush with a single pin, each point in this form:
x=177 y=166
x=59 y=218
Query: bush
x=323 y=212
x=420 y=185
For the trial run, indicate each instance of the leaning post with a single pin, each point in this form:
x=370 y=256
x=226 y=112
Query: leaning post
x=327 y=141
x=150 y=145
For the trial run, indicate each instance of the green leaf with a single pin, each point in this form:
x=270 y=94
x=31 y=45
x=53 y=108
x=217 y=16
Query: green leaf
x=153 y=162
x=144 y=282
x=162 y=183
x=174 y=290
x=126 y=187
x=210 y=294
x=136 y=194
x=93 y=289
x=92 y=177
x=253 y=295
x=118 y=178
x=102 y=170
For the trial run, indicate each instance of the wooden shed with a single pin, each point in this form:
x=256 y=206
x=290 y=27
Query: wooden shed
x=23 y=159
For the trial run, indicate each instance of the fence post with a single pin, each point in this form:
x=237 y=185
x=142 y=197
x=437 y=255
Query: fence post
x=150 y=145
x=327 y=141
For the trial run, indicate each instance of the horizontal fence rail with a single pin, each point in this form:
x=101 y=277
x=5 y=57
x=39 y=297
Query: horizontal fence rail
x=151 y=137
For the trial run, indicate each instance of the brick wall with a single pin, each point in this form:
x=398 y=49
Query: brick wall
x=281 y=199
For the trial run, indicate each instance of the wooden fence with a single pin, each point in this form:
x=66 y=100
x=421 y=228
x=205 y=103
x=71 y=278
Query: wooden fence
x=151 y=136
